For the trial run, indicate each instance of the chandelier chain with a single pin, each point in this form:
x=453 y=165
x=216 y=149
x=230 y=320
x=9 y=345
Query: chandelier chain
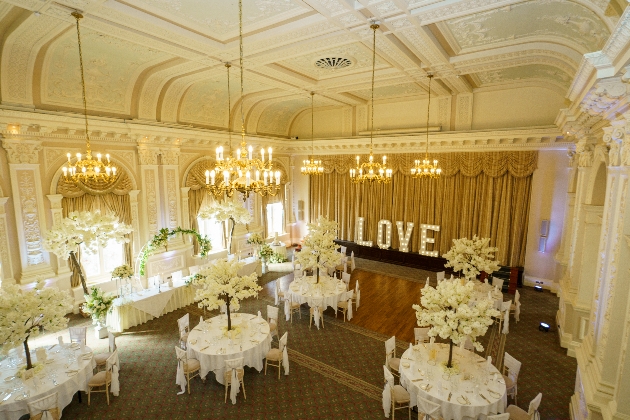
x=426 y=153
x=374 y=27
x=78 y=17
x=240 y=60
x=312 y=125
x=227 y=66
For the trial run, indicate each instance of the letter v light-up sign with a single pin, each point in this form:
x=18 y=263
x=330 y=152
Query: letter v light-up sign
x=404 y=237
x=424 y=240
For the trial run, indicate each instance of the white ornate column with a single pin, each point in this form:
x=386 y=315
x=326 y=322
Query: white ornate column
x=6 y=274
x=28 y=200
x=171 y=211
x=57 y=216
x=185 y=209
x=135 y=221
x=150 y=192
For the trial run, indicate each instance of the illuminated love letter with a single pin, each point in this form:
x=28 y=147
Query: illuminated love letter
x=404 y=237
x=388 y=234
x=358 y=237
x=424 y=240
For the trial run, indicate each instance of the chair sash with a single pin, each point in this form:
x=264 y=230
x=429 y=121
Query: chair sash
x=287 y=309
x=316 y=316
x=387 y=391
x=234 y=365
x=358 y=298
x=285 y=355
x=349 y=314
x=184 y=324
x=112 y=366
x=506 y=322
x=44 y=408
x=180 y=378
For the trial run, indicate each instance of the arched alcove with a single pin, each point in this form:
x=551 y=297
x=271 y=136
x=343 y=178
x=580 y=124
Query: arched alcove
x=598 y=190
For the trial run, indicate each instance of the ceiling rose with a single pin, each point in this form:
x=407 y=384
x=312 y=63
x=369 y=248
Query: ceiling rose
x=333 y=63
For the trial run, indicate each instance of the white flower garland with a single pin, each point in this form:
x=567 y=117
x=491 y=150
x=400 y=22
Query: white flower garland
x=472 y=256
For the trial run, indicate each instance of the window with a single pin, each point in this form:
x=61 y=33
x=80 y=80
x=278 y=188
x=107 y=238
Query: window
x=213 y=230
x=102 y=262
x=275 y=219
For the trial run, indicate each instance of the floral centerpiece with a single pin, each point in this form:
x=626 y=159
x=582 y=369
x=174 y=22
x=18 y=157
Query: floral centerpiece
x=446 y=310
x=98 y=304
x=90 y=229
x=230 y=211
x=255 y=239
x=319 y=249
x=472 y=256
x=276 y=258
x=221 y=284
x=27 y=313
x=122 y=272
x=265 y=252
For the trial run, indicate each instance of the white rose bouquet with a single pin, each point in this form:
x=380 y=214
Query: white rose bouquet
x=98 y=304
x=255 y=239
x=472 y=256
x=122 y=272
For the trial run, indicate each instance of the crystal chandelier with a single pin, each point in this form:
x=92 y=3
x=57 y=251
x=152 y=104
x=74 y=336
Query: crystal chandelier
x=371 y=171
x=426 y=169
x=86 y=167
x=241 y=172
x=312 y=166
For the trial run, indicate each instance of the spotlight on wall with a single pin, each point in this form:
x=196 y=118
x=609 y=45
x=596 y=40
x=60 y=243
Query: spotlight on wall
x=543 y=327
x=538 y=287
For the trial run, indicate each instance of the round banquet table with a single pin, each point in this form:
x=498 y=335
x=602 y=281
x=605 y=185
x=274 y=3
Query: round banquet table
x=428 y=380
x=68 y=382
x=305 y=290
x=208 y=344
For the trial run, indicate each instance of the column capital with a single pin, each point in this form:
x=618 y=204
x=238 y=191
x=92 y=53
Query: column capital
x=584 y=153
x=148 y=156
x=22 y=151
x=55 y=200
x=170 y=156
x=133 y=195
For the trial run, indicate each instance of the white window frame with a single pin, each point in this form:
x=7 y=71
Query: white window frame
x=270 y=230
x=102 y=275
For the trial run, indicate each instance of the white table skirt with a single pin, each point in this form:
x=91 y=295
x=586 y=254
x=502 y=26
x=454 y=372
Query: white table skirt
x=66 y=388
x=129 y=315
x=204 y=348
x=330 y=292
x=452 y=410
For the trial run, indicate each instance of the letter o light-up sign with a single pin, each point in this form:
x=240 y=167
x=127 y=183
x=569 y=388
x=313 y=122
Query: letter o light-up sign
x=388 y=234
x=424 y=240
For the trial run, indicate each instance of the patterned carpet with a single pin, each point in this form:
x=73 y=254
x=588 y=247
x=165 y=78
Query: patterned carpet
x=336 y=372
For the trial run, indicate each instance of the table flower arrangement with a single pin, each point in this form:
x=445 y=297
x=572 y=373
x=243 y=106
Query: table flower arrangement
x=472 y=256
x=233 y=333
x=122 y=272
x=27 y=313
x=255 y=239
x=276 y=258
x=265 y=252
x=37 y=368
x=221 y=284
x=228 y=210
x=446 y=310
x=98 y=304
x=319 y=249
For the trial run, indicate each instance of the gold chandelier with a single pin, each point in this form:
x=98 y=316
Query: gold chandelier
x=241 y=172
x=86 y=167
x=312 y=166
x=371 y=171
x=426 y=169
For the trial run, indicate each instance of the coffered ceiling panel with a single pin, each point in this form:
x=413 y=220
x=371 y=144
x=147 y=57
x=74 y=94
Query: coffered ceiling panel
x=112 y=66
x=276 y=118
x=542 y=72
x=392 y=91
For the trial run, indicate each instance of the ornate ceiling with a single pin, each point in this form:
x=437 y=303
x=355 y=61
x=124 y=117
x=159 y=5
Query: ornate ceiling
x=162 y=60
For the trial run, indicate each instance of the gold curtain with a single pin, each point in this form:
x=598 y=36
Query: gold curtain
x=487 y=194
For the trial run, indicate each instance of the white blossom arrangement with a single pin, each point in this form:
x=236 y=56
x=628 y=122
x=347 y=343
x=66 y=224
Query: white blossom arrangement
x=472 y=256
x=318 y=248
x=97 y=304
x=85 y=227
x=221 y=284
x=228 y=210
x=122 y=272
x=446 y=310
x=255 y=239
x=25 y=314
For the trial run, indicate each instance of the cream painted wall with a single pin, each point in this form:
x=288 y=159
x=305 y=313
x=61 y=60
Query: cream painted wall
x=522 y=107
x=301 y=191
x=549 y=186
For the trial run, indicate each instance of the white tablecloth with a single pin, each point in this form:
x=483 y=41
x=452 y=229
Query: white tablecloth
x=279 y=249
x=148 y=304
x=305 y=290
x=251 y=265
x=66 y=388
x=414 y=372
x=212 y=348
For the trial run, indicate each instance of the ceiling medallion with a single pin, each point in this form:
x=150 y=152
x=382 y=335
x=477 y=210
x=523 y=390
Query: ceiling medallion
x=312 y=166
x=333 y=63
x=426 y=169
x=241 y=171
x=86 y=167
x=371 y=171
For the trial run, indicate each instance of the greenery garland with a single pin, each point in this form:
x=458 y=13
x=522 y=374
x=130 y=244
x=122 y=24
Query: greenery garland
x=160 y=240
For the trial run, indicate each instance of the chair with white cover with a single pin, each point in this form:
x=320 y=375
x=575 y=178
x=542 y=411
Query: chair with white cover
x=294 y=306
x=440 y=275
x=77 y=335
x=45 y=408
x=394 y=396
x=186 y=369
x=517 y=413
x=234 y=374
x=511 y=369
x=272 y=319
x=345 y=305
x=430 y=409
x=278 y=293
x=183 y=324
x=107 y=378
x=422 y=335
x=515 y=308
x=343 y=250
x=316 y=312
x=391 y=361
x=505 y=316
x=345 y=277
x=101 y=358
x=498 y=283
x=279 y=357
x=357 y=296
x=504 y=416
x=352 y=264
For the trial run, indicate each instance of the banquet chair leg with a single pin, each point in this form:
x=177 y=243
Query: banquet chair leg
x=188 y=382
x=89 y=393
x=107 y=392
x=279 y=368
x=265 y=367
x=243 y=386
x=226 y=388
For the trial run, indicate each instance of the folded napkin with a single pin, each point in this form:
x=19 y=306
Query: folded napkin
x=489 y=361
x=200 y=319
x=259 y=315
x=60 y=339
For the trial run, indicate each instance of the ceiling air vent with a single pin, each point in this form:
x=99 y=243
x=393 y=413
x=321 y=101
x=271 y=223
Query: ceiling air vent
x=333 y=63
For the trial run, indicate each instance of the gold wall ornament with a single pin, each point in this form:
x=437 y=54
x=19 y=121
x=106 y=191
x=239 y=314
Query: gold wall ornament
x=241 y=171
x=85 y=167
x=426 y=169
x=311 y=165
x=371 y=171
